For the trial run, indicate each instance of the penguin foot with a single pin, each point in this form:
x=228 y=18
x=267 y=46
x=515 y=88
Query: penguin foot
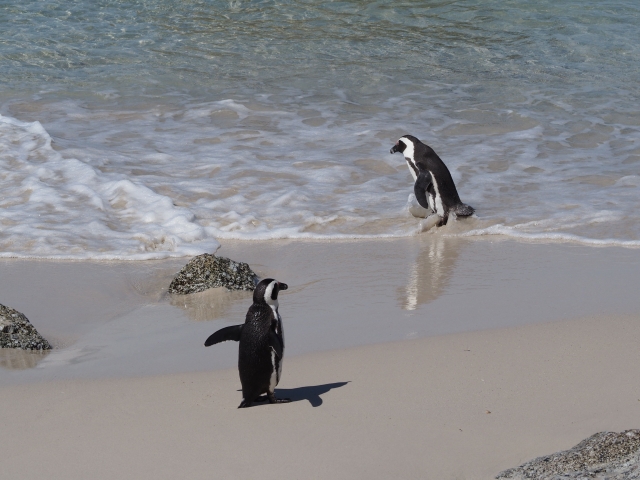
x=273 y=399
x=248 y=400
x=431 y=221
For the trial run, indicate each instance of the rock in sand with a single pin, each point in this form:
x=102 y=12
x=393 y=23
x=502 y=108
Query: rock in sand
x=16 y=331
x=208 y=271
x=603 y=456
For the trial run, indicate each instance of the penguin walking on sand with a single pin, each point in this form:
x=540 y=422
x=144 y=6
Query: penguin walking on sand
x=261 y=345
x=434 y=188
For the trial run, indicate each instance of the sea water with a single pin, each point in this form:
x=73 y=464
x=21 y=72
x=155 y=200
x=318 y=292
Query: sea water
x=148 y=129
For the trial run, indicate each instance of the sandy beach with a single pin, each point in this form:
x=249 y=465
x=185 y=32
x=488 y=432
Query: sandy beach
x=397 y=350
x=135 y=136
x=460 y=406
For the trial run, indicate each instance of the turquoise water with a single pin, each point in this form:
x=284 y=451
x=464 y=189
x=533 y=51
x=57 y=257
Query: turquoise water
x=163 y=127
x=216 y=49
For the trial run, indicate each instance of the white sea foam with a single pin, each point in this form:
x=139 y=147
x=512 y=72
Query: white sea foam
x=514 y=232
x=57 y=207
x=170 y=181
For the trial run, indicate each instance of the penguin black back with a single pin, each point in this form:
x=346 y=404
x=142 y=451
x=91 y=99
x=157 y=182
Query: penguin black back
x=261 y=347
x=434 y=187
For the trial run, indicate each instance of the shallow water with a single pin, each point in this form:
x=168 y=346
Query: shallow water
x=150 y=129
x=112 y=319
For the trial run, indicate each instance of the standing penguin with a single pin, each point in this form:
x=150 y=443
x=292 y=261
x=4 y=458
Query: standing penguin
x=261 y=344
x=434 y=188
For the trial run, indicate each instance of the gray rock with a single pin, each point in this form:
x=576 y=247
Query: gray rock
x=603 y=456
x=17 y=332
x=208 y=271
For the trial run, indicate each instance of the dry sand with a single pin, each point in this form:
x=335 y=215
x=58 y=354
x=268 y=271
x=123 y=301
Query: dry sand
x=131 y=393
x=412 y=409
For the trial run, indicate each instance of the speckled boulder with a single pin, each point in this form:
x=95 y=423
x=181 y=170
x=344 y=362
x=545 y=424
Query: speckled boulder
x=208 y=271
x=603 y=456
x=17 y=332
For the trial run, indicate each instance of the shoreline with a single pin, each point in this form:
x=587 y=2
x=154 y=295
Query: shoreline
x=459 y=406
x=114 y=319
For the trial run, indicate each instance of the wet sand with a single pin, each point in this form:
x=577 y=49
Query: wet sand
x=114 y=319
x=396 y=351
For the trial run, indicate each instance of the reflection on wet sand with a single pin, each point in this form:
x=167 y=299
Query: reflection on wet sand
x=18 y=359
x=431 y=273
x=210 y=304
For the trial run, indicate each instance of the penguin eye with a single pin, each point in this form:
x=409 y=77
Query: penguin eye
x=401 y=146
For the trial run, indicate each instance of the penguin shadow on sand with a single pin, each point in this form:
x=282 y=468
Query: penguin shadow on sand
x=313 y=393
x=430 y=274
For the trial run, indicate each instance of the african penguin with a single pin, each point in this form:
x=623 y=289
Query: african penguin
x=261 y=344
x=434 y=188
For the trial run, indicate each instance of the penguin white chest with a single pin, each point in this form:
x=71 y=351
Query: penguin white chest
x=273 y=381
x=437 y=206
x=409 y=153
x=276 y=363
x=410 y=164
x=432 y=205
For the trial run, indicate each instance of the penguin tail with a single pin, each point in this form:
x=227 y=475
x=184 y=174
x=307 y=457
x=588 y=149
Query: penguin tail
x=463 y=210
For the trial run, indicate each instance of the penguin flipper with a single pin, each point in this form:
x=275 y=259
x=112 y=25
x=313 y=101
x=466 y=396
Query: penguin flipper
x=423 y=182
x=274 y=342
x=225 y=334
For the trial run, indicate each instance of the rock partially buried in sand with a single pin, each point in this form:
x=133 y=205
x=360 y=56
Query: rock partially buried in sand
x=208 y=271
x=16 y=331
x=603 y=456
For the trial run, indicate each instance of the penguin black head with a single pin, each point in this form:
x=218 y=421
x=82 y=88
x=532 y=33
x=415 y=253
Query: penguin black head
x=267 y=291
x=406 y=145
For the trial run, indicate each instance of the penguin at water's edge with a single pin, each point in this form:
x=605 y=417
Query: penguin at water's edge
x=261 y=347
x=434 y=188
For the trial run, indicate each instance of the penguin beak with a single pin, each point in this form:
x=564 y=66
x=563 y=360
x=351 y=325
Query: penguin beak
x=282 y=286
x=394 y=149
